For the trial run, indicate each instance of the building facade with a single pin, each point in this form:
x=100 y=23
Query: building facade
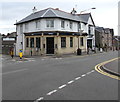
x=104 y=38
x=52 y=31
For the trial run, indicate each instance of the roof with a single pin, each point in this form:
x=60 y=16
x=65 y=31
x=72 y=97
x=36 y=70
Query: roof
x=99 y=29
x=56 y=13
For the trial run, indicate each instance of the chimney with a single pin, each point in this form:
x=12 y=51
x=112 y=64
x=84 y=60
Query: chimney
x=57 y=8
x=34 y=9
x=73 y=11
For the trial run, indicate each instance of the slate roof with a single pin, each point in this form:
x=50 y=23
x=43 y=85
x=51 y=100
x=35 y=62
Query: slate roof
x=55 y=13
x=99 y=29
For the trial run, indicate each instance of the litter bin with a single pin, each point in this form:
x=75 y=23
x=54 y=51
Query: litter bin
x=79 y=51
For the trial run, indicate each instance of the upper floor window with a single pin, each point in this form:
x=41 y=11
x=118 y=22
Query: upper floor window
x=50 y=23
x=21 y=29
x=79 y=26
x=26 y=26
x=62 y=24
x=37 y=24
x=71 y=24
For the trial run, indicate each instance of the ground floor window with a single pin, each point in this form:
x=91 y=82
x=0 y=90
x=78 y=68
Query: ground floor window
x=71 y=41
x=31 y=42
x=63 y=42
x=81 y=41
x=38 y=42
x=27 y=42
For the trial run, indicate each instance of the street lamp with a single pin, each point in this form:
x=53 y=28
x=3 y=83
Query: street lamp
x=80 y=31
x=87 y=10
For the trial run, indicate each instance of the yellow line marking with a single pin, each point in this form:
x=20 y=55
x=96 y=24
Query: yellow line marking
x=98 y=69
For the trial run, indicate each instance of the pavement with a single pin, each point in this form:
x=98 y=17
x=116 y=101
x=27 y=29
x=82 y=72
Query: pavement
x=113 y=66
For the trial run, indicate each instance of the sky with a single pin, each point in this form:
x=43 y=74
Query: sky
x=105 y=15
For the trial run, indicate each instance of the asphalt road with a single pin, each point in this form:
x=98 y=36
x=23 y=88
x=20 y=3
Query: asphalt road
x=72 y=78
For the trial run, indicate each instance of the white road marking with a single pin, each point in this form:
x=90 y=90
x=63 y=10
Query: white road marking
x=51 y=92
x=14 y=71
x=88 y=72
x=62 y=86
x=41 y=98
x=43 y=59
x=70 y=81
x=77 y=78
x=83 y=75
x=93 y=71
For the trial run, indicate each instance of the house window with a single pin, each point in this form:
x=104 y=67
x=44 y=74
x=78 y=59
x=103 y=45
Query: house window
x=62 y=24
x=37 y=24
x=31 y=42
x=79 y=26
x=50 y=23
x=38 y=42
x=81 y=41
x=27 y=42
x=63 y=42
x=71 y=41
x=26 y=26
x=71 y=24
x=21 y=29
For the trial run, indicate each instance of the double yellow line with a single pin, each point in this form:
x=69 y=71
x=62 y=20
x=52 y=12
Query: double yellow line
x=98 y=69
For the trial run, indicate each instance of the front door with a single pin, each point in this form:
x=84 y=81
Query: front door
x=50 y=45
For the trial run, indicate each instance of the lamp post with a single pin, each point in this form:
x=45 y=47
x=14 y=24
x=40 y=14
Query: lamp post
x=87 y=10
x=79 y=50
x=80 y=31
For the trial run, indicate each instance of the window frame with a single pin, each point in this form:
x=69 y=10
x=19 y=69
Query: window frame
x=50 y=23
x=38 y=44
x=71 y=25
x=71 y=41
x=81 y=41
x=62 y=23
x=32 y=42
x=63 y=42
x=27 y=42
x=37 y=24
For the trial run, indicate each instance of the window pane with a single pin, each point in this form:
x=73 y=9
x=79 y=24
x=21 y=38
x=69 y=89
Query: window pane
x=63 y=24
x=37 y=24
x=31 y=42
x=27 y=42
x=70 y=25
x=47 y=22
x=63 y=41
x=38 y=42
x=50 y=23
x=71 y=41
x=81 y=41
x=21 y=29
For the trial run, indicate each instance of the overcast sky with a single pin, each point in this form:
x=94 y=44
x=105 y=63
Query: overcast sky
x=105 y=14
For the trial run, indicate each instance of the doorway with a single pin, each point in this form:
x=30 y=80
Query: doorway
x=50 y=45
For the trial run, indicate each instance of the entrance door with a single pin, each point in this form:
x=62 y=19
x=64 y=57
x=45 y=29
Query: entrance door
x=50 y=45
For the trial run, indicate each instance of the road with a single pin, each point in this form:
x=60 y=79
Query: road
x=69 y=78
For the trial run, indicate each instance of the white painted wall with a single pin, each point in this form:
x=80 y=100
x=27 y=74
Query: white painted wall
x=57 y=27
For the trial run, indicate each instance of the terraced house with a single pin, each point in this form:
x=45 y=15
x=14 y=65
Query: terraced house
x=52 y=31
